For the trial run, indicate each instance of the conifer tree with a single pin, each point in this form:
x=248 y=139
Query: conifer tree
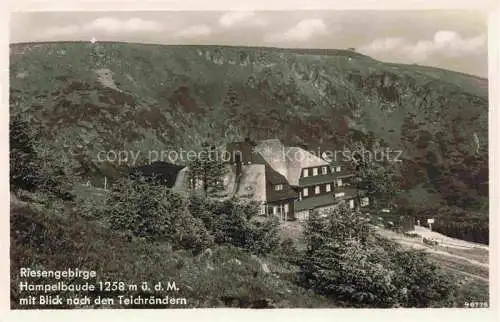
x=24 y=161
x=207 y=169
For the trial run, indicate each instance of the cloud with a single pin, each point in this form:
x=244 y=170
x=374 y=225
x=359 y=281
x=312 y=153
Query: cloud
x=195 y=31
x=59 y=31
x=444 y=43
x=106 y=25
x=302 y=31
x=113 y=25
x=240 y=18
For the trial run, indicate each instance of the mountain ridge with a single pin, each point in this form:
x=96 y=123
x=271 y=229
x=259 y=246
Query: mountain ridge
x=297 y=50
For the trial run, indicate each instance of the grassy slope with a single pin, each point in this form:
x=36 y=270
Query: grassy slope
x=42 y=240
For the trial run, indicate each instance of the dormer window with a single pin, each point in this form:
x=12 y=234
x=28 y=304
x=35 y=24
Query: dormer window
x=278 y=187
x=324 y=170
x=315 y=171
x=306 y=173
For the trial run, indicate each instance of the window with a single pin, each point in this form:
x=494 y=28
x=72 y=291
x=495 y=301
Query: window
x=315 y=171
x=364 y=201
x=339 y=194
x=198 y=183
x=328 y=187
x=339 y=182
x=306 y=172
x=351 y=203
x=286 y=208
x=238 y=157
x=324 y=170
x=316 y=190
x=278 y=187
x=275 y=210
x=305 y=192
x=262 y=209
x=338 y=169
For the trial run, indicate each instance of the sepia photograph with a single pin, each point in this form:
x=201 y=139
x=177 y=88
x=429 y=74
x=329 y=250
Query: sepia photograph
x=249 y=159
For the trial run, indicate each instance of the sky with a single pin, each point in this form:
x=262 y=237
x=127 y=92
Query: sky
x=450 y=39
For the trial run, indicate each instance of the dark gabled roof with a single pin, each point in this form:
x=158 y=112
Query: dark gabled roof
x=164 y=172
x=349 y=192
x=342 y=174
x=311 y=203
x=273 y=176
x=319 y=179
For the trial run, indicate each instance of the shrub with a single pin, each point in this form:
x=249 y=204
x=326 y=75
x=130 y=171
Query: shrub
x=288 y=251
x=31 y=167
x=236 y=222
x=263 y=235
x=423 y=284
x=346 y=260
x=155 y=213
x=202 y=208
x=25 y=172
x=357 y=275
x=230 y=223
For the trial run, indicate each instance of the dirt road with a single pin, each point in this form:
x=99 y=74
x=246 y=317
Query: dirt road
x=460 y=256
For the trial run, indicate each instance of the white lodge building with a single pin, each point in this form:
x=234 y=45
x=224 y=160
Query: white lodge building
x=290 y=182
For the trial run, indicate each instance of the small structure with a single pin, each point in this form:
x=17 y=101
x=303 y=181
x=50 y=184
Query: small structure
x=430 y=221
x=158 y=172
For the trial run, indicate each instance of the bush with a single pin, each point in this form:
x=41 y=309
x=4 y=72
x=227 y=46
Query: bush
x=236 y=222
x=155 y=213
x=346 y=260
x=263 y=235
x=230 y=223
x=31 y=168
x=422 y=283
x=288 y=251
x=25 y=172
